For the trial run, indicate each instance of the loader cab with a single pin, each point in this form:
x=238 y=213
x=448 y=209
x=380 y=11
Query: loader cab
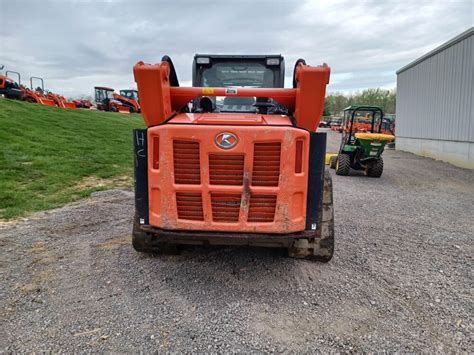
x=103 y=97
x=234 y=71
x=130 y=94
x=103 y=94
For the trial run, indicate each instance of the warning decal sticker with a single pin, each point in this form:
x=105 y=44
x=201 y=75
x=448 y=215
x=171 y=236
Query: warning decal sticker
x=207 y=91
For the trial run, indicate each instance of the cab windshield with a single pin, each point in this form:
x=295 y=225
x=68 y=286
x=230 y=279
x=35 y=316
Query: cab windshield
x=238 y=75
x=131 y=94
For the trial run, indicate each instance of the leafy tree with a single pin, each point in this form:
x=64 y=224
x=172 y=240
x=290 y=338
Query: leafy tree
x=336 y=102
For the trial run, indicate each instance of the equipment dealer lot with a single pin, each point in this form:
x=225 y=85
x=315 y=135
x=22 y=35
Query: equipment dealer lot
x=400 y=278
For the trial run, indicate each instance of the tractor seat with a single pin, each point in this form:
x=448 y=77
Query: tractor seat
x=375 y=137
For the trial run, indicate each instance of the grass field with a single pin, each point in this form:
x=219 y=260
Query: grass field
x=51 y=156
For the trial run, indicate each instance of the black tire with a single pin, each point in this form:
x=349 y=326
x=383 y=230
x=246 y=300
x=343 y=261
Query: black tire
x=332 y=162
x=343 y=164
x=320 y=249
x=376 y=169
x=144 y=242
x=30 y=100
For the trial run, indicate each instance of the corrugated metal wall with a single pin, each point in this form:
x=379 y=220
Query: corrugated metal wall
x=435 y=97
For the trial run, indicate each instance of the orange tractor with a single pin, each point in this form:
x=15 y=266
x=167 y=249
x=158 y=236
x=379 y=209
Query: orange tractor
x=13 y=89
x=36 y=96
x=10 y=88
x=39 y=95
x=233 y=160
x=83 y=103
x=61 y=101
x=107 y=100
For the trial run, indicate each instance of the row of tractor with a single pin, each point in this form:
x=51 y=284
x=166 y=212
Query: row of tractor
x=106 y=99
x=13 y=89
x=362 y=122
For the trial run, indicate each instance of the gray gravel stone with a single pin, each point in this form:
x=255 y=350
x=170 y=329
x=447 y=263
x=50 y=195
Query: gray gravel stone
x=400 y=280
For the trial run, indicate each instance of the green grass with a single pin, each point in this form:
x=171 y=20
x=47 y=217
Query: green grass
x=51 y=156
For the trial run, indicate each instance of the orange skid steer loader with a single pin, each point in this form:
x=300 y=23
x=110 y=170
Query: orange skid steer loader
x=233 y=160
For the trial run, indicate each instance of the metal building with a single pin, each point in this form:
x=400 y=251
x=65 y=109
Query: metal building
x=435 y=103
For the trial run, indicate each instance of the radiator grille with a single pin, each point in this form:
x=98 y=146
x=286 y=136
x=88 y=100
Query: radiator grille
x=186 y=162
x=266 y=164
x=189 y=205
x=262 y=208
x=226 y=169
x=225 y=207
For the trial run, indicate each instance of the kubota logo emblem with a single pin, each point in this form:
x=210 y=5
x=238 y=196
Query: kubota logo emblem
x=226 y=140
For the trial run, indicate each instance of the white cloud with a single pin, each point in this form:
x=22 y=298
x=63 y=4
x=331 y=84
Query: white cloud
x=76 y=45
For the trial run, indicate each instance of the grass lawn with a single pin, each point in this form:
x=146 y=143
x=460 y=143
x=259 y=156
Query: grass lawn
x=51 y=156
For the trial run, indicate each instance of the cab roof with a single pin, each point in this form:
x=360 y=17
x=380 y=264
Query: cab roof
x=103 y=88
x=238 y=56
x=362 y=107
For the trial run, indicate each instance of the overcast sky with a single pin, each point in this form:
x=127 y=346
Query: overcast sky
x=75 y=45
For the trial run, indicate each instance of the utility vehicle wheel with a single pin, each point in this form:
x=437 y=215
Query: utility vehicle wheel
x=332 y=162
x=376 y=169
x=320 y=248
x=343 y=164
x=145 y=243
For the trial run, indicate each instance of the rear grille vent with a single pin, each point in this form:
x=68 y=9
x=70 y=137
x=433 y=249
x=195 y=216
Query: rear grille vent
x=189 y=205
x=262 y=208
x=186 y=162
x=266 y=164
x=225 y=207
x=226 y=169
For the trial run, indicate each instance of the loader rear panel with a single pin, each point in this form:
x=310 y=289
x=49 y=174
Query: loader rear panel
x=252 y=186
x=229 y=212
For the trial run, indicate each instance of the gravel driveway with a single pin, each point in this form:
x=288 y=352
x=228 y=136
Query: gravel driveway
x=401 y=278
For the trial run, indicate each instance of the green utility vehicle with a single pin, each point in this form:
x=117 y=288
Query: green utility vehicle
x=362 y=142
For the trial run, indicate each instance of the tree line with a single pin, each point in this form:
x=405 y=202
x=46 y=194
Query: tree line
x=336 y=102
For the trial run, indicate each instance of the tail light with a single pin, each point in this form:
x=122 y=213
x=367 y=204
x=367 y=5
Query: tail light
x=156 y=152
x=299 y=157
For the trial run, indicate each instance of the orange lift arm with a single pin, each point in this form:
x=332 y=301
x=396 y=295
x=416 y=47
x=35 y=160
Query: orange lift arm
x=159 y=100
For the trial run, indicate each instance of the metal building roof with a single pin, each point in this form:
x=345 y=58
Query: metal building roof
x=451 y=42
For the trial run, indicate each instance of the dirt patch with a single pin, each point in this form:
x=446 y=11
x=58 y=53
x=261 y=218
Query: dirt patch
x=116 y=243
x=10 y=222
x=38 y=247
x=38 y=280
x=96 y=182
